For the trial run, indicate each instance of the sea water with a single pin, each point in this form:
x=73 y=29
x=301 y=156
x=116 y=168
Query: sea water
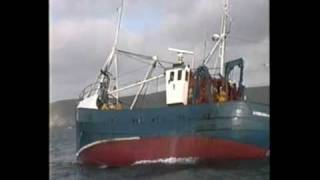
x=63 y=165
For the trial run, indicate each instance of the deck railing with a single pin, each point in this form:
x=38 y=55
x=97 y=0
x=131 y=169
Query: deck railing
x=89 y=90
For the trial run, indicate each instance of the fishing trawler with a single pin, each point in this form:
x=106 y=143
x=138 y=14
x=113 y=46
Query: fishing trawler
x=205 y=116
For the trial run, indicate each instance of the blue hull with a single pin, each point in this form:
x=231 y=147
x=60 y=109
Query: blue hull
x=238 y=121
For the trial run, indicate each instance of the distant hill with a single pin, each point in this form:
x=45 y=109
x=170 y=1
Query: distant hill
x=62 y=113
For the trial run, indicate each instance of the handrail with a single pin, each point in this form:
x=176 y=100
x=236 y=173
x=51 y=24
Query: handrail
x=89 y=90
x=92 y=88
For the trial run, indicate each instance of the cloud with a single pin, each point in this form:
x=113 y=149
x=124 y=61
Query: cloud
x=82 y=32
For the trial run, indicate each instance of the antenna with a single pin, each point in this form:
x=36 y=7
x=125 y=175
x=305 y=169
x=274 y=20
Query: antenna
x=180 y=53
x=220 y=39
x=115 y=55
x=223 y=35
x=105 y=71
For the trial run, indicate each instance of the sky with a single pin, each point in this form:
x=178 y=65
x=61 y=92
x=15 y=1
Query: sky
x=81 y=33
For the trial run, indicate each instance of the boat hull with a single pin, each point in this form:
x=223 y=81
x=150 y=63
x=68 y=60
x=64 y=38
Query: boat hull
x=161 y=150
x=236 y=130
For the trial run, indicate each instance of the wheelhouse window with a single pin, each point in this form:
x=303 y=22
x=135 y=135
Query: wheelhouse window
x=171 y=76
x=187 y=77
x=179 y=74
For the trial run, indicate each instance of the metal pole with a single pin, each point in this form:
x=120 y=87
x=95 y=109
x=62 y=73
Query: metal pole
x=136 y=84
x=221 y=48
x=205 y=61
x=118 y=26
x=223 y=36
x=117 y=76
x=115 y=46
x=107 y=64
x=142 y=85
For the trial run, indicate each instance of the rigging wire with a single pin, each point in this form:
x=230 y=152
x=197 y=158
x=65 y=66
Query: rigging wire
x=130 y=72
x=141 y=56
x=137 y=69
x=143 y=61
x=162 y=66
x=135 y=58
x=125 y=74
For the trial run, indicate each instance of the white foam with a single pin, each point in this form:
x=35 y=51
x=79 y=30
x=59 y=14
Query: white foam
x=170 y=160
x=257 y=113
x=268 y=153
x=102 y=166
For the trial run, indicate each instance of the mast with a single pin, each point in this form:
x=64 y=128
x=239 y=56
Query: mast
x=104 y=77
x=115 y=46
x=117 y=76
x=107 y=65
x=220 y=40
x=223 y=35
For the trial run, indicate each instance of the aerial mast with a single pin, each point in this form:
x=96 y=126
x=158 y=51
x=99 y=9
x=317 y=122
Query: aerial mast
x=104 y=77
x=220 y=40
x=223 y=35
x=115 y=56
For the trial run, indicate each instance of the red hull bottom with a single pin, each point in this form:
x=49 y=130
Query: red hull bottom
x=129 y=152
